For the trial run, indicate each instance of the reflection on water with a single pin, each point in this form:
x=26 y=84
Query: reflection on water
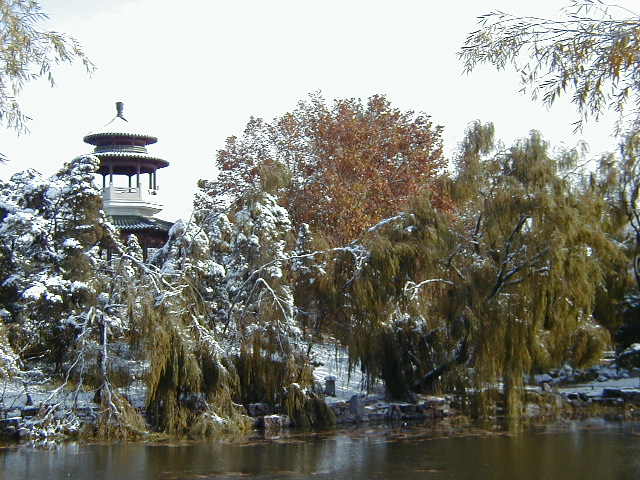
x=594 y=449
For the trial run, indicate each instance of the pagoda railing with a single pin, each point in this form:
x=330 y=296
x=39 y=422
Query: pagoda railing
x=127 y=193
x=131 y=201
x=120 y=148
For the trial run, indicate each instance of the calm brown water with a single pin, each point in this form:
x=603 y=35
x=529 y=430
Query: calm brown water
x=591 y=450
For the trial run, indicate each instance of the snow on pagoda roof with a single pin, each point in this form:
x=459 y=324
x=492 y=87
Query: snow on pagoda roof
x=138 y=223
x=121 y=154
x=119 y=126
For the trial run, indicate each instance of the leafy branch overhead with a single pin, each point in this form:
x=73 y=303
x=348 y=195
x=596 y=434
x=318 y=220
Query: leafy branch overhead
x=591 y=54
x=29 y=52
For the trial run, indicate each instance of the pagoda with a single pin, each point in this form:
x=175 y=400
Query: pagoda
x=132 y=202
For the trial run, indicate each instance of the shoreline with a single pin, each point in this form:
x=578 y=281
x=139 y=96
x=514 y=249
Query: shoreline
x=539 y=406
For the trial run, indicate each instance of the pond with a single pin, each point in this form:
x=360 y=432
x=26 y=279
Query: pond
x=573 y=450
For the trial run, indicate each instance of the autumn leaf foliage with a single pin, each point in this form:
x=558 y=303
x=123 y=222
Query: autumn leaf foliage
x=341 y=167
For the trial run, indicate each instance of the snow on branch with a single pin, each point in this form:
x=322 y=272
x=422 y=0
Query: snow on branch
x=413 y=288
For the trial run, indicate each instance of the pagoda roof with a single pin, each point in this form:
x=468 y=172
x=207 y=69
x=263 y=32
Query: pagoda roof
x=119 y=127
x=130 y=159
x=137 y=223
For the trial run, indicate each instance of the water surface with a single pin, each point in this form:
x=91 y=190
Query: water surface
x=594 y=449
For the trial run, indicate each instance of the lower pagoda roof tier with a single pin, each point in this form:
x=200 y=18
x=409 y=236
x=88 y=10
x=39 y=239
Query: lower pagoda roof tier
x=136 y=223
x=127 y=163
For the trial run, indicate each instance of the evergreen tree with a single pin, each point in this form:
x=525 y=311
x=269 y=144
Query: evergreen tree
x=51 y=233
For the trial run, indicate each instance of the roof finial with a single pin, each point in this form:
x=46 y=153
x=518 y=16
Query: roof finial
x=120 y=110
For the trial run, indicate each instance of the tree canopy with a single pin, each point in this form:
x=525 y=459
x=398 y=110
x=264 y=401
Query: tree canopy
x=340 y=168
x=591 y=54
x=504 y=285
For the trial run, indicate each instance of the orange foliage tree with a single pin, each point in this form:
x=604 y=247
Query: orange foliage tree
x=339 y=168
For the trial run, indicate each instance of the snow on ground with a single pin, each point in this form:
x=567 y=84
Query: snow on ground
x=14 y=396
x=595 y=388
x=335 y=363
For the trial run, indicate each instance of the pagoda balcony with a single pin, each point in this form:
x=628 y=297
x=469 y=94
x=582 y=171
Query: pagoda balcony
x=131 y=201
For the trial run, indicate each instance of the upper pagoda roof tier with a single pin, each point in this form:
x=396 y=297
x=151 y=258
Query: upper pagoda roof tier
x=119 y=130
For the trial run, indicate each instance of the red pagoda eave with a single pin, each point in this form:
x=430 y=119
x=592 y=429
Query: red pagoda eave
x=120 y=164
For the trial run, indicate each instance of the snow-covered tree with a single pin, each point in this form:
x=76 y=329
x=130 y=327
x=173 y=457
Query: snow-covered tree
x=51 y=231
x=59 y=299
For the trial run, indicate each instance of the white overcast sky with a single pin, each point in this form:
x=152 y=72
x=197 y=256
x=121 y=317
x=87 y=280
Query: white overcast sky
x=192 y=73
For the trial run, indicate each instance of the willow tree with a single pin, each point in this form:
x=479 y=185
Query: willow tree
x=191 y=382
x=263 y=310
x=58 y=301
x=504 y=285
x=533 y=253
x=590 y=53
x=620 y=180
x=628 y=192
